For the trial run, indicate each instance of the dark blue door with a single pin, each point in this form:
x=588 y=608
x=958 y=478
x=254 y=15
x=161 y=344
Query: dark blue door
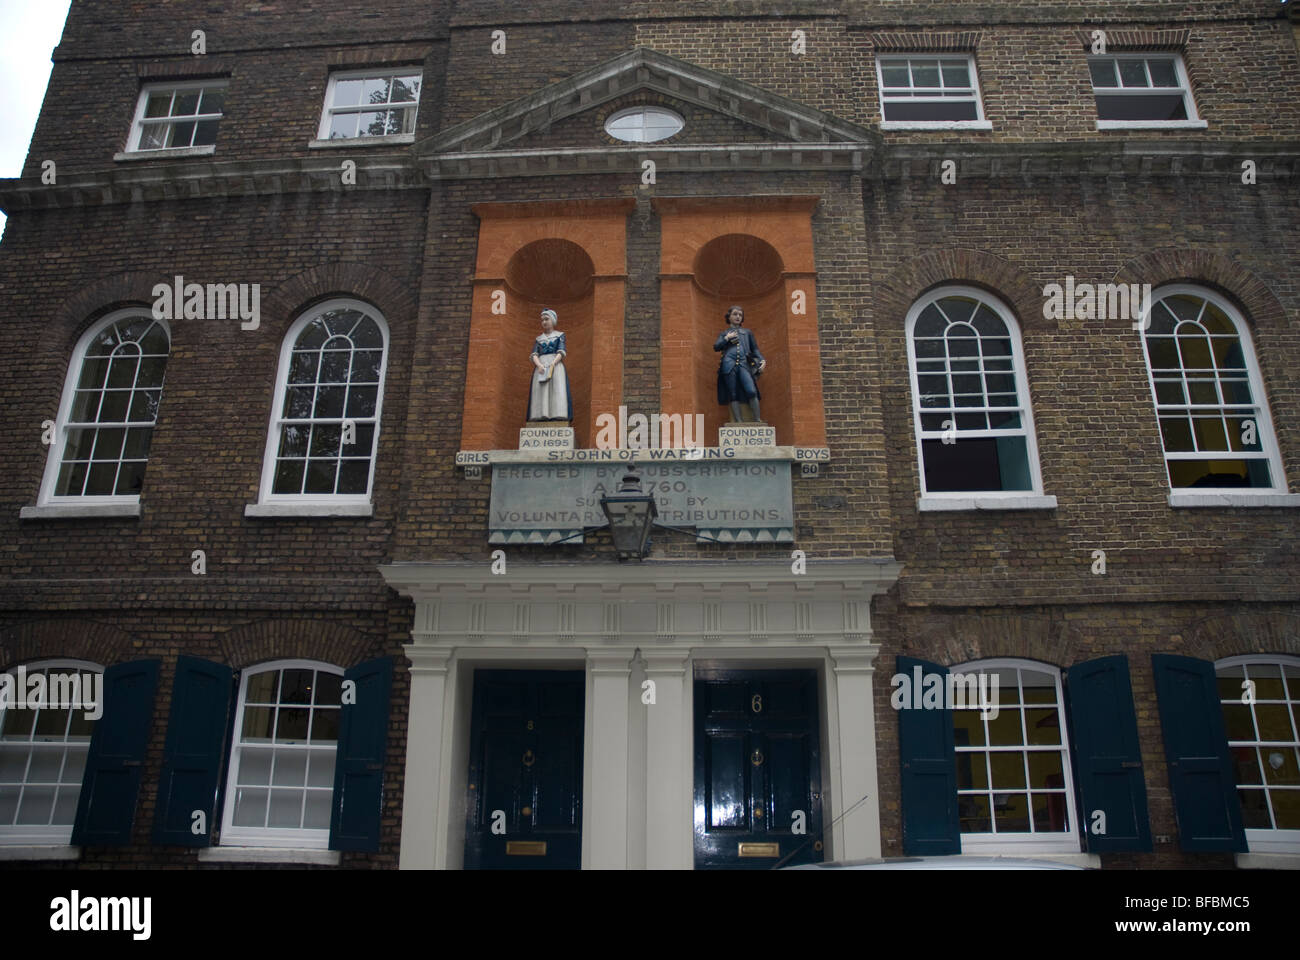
x=524 y=806
x=757 y=769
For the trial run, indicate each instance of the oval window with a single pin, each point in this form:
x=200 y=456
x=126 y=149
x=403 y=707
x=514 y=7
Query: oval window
x=644 y=124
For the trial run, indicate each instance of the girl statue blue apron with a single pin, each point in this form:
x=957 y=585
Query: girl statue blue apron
x=548 y=397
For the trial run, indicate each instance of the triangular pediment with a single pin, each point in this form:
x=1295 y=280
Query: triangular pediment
x=525 y=124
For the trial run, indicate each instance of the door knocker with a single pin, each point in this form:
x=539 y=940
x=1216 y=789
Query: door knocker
x=756 y=759
x=529 y=759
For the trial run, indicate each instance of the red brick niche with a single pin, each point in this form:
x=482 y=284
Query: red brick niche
x=572 y=258
x=756 y=252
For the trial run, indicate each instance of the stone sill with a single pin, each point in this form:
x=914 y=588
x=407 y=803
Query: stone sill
x=927 y=504
x=309 y=510
x=327 y=858
x=1091 y=861
x=936 y=125
x=40 y=852
x=170 y=153
x=1268 y=861
x=397 y=140
x=1152 y=125
x=1234 y=499
x=74 y=511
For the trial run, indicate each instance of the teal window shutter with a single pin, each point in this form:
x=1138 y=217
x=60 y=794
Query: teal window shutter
x=1107 y=756
x=1196 y=748
x=929 y=768
x=115 y=760
x=362 y=750
x=193 y=755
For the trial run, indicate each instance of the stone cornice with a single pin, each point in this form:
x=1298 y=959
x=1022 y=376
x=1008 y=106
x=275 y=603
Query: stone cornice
x=660 y=607
x=196 y=178
x=510 y=209
x=1128 y=157
x=200 y=179
x=560 y=581
x=669 y=159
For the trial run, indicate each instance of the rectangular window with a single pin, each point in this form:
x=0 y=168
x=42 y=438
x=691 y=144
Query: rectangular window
x=359 y=105
x=929 y=90
x=1261 y=711
x=281 y=774
x=178 y=115
x=1141 y=88
x=43 y=748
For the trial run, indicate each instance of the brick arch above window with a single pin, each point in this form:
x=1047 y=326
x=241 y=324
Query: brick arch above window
x=971 y=637
x=65 y=639
x=373 y=283
x=95 y=300
x=1258 y=303
x=277 y=639
x=1243 y=632
x=896 y=294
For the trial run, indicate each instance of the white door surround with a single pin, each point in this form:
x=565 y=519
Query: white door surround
x=626 y=624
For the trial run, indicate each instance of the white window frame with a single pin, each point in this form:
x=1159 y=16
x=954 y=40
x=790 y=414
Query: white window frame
x=48 y=503
x=18 y=835
x=1270 y=840
x=1193 y=121
x=303 y=504
x=980 y=123
x=301 y=838
x=977 y=499
x=642 y=110
x=137 y=125
x=1233 y=496
x=1017 y=843
x=328 y=110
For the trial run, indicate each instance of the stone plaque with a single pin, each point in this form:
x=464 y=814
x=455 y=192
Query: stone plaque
x=737 y=502
x=546 y=438
x=746 y=435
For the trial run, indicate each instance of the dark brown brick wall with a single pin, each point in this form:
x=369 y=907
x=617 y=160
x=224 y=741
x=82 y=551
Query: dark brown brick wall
x=1205 y=582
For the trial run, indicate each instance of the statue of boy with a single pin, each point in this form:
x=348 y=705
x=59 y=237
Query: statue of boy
x=740 y=366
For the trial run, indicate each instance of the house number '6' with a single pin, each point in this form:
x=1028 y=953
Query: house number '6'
x=756 y=703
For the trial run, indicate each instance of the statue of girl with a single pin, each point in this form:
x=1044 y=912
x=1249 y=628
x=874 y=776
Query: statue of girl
x=548 y=397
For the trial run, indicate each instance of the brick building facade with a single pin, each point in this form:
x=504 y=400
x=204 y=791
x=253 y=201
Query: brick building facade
x=787 y=184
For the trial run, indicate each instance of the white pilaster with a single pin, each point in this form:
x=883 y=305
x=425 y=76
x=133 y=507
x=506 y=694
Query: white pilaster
x=605 y=765
x=423 y=811
x=670 y=821
x=857 y=835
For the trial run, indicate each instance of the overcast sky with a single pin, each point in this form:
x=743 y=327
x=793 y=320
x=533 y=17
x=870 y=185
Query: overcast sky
x=29 y=32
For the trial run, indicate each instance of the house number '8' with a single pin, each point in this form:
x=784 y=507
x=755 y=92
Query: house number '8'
x=756 y=703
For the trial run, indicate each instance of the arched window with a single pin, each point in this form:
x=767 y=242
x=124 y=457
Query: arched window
x=329 y=393
x=1214 y=422
x=1260 y=697
x=47 y=713
x=281 y=777
x=109 y=409
x=970 y=397
x=1014 y=782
